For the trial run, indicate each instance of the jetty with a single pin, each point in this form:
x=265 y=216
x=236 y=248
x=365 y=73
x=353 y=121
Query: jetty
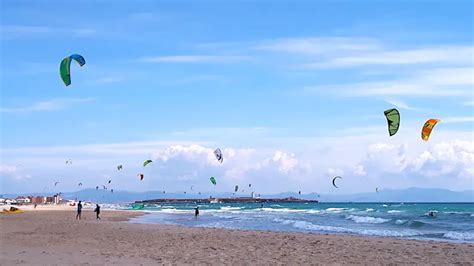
x=227 y=200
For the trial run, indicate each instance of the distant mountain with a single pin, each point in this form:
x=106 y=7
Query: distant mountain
x=386 y=195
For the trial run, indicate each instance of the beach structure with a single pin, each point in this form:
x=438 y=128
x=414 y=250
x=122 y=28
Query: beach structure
x=10 y=201
x=23 y=200
x=228 y=200
x=37 y=200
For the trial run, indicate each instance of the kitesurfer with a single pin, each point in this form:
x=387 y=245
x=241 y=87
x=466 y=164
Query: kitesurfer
x=79 y=210
x=196 y=212
x=97 y=212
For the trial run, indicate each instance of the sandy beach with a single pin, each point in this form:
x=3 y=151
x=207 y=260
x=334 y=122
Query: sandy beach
x=55 y=237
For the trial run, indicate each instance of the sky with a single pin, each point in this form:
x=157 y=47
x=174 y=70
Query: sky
x=292 y=92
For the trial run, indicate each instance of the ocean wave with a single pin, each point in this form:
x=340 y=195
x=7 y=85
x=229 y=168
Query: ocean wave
x=281 y=210
x=459 y=235
x=399 y=221
x=335 y=229
x=338 y=210
x=460 y=213
x=369 y=210
x=367 y=219
x=416 y=224
x=393 y=211
x=229 y=208
x=176 y=211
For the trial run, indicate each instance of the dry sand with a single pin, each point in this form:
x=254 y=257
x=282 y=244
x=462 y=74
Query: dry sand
x=55 y=237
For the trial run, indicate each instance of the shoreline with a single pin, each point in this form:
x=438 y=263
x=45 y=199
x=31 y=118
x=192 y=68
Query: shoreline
x=55 y=237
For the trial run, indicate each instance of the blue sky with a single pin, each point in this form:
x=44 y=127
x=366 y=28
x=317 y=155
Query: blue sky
x=294 y=93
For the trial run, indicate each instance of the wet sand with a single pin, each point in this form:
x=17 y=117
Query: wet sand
x=55 y=237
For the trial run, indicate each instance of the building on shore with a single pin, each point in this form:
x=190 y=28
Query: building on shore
x=23 y=200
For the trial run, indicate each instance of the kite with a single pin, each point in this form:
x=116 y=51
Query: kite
x=377 y=189
x=138 y=206
x=119 y=167
x=55 y=183
x=97 y=187
x=69 y=161
x=112 y=190
x=192 y=187
x=80 y=184
x=145 y=163
x=65 y=67
x=104 y=187
x=109 y=181
x=334 y=181
x=219 y=155
x=393 y=120
x=141 y=176
x=213 y=180
x=299 y=192
x=250 y=185
x=427 y=128
x=236 y=188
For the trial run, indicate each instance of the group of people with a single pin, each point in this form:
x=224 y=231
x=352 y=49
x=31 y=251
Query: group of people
x=79 y=211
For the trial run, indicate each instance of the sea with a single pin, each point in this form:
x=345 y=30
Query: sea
x=451 y=221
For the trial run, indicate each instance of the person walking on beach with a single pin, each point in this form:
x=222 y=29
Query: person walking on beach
x=79 y=210
x=97 y=212
x=196 y=212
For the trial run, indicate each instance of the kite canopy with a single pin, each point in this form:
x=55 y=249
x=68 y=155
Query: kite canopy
x=377 y=189
x=55 y=183
x=236 y=188
x=119 y=167
x=65 y=67
x=141 y=176
x=393 y=120
x=250 y=185
x=334 y=181
x=109 y=181
x=427 y=128
x=219 y=156
x=213 y=180
x=138 y=206
x=145 y=163
x=80 y=184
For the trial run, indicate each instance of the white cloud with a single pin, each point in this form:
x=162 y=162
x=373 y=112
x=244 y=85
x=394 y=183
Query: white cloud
x=50 y=105
x=438 y=55
x=195 y=59
x=451 y=160
x=13 y=171
x=459 y=119
x=26 y=31
x=321 y=45
x=426 y=83
x=193 y=162
x=400 y=104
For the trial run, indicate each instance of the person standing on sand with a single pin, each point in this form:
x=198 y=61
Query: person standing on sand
x=196 y=212
x=79 y=210
x=97 y=212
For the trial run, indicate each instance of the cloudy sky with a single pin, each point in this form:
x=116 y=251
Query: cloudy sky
x=293 y=93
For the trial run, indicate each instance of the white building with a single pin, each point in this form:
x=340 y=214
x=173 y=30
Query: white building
x=10 y=201
x=23 y=200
